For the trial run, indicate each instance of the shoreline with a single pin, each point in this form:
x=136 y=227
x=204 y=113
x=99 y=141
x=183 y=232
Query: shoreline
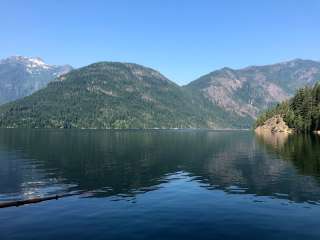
x=135 y=129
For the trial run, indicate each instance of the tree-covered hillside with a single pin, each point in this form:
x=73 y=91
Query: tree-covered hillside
x=114 y=95
x=121 y=95
x=301 y=113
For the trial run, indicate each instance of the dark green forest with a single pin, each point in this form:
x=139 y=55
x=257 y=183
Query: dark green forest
x=302 y=112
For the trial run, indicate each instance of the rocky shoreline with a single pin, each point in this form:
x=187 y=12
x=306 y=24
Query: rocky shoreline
x=276 y=124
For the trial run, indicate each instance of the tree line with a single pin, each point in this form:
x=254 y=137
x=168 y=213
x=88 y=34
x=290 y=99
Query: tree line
x=302 y=112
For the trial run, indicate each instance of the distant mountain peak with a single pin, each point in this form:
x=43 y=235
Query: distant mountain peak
x=37 y=61
x=226 y=69
x=20 y=76
x=30 y=61
x=18 y=58
x=298 y=61
x=289 y=63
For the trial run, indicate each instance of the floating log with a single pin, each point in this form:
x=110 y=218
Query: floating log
x=34 y=200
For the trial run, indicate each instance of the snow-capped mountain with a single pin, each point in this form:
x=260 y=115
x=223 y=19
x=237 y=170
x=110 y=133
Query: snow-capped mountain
x=21 y=76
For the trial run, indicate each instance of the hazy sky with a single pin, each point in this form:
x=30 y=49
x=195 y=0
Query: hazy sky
x=182 y=39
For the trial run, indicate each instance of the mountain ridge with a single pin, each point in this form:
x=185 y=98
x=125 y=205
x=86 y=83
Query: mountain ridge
x=250 y=90
x=224 y=98
x=112 y=95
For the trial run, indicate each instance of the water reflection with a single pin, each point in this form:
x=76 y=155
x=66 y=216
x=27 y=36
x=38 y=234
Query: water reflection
x=126 y=163
x=302 y=150
x=276 y=140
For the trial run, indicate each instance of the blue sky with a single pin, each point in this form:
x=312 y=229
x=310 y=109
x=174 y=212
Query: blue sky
x=182 y=39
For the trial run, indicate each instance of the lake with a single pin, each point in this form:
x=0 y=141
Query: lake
x=159 y=184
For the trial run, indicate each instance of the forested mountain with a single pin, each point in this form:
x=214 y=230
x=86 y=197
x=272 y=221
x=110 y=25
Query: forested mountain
x=115 y=95
x=22 y=76
x=123 y=95
x=249 y=91
x=301 y=113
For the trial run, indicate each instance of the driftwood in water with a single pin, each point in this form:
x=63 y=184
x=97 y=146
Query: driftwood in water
x=34 y=200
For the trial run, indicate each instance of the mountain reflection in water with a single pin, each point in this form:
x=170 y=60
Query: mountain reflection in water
x=126 y=163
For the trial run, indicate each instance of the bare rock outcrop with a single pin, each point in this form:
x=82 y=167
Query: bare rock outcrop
x=276 y=124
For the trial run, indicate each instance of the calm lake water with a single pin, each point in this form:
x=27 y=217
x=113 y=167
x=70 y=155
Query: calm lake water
x=159 y=185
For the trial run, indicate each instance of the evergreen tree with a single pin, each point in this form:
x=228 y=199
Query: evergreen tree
x=302 y=112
